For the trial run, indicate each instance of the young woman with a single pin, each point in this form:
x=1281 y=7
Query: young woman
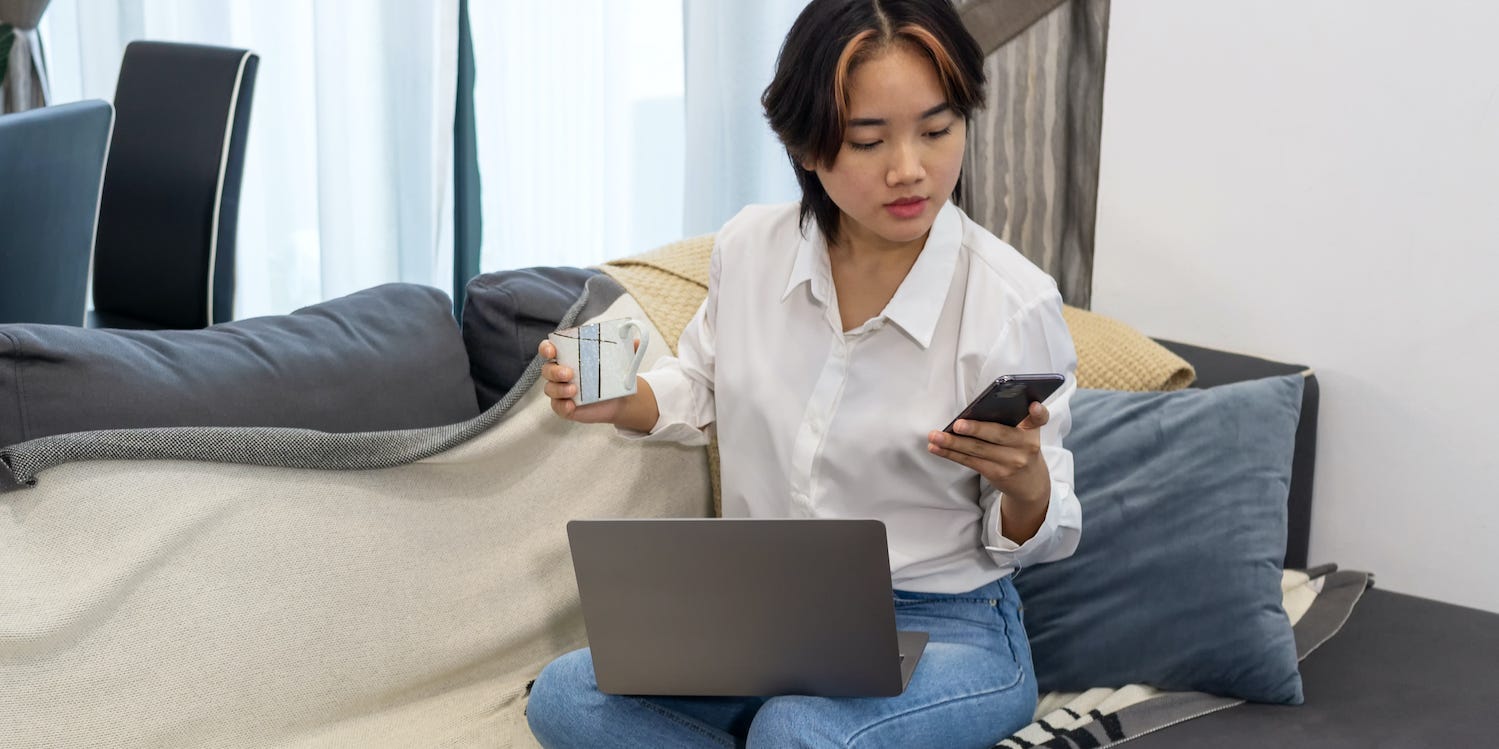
x=837 y=336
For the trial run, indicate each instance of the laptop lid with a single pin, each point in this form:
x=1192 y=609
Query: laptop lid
x=740 y=607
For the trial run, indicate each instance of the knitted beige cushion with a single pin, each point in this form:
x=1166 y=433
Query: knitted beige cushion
x=1114 y=356
x=669 y=282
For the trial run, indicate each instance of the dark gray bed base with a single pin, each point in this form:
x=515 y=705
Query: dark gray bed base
x=1402 y=672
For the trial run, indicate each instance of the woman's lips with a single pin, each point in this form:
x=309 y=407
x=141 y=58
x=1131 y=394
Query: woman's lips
x=906 y=208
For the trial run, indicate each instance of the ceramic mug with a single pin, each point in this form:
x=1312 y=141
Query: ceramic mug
x=601 y=358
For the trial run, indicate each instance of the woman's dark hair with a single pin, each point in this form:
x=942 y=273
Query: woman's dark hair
x=807 y=101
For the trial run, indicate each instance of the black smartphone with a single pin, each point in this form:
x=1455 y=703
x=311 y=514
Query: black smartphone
x=1008 y=399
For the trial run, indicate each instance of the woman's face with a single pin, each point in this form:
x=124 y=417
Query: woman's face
x=901 y=153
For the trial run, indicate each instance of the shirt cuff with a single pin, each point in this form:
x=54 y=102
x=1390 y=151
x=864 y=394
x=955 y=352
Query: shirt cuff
x=1056 y=538
x=674 y=403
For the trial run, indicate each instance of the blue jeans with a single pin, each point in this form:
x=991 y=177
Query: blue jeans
x=974 y=686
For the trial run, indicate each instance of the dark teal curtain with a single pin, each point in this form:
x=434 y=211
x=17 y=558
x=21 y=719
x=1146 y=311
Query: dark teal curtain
x=468 y=224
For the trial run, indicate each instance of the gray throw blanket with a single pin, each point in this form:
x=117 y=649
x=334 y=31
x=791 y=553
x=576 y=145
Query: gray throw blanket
x=222 y=587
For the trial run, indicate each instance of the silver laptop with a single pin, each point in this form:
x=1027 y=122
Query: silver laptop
x=739 y=607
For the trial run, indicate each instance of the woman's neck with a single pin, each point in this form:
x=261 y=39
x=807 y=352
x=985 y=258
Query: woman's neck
x=867 y=275
x=871 y=250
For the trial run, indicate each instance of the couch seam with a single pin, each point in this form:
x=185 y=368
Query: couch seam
x=514 y=342
x=677 y=718
x=953 y=599
x=20 y=386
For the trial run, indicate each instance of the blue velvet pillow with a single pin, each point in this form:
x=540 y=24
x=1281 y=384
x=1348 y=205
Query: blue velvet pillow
x=1176 y=581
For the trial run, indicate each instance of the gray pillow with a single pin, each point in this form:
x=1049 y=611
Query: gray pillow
x=505 y=317
x=389 y=357
x=1176 y=581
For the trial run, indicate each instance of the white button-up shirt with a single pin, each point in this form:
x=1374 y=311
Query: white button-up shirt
x=815 y=422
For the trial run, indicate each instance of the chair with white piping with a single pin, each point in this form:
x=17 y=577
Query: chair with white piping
x=168 y=213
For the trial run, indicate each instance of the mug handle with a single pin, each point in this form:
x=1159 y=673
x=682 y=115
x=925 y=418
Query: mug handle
x=626 y=339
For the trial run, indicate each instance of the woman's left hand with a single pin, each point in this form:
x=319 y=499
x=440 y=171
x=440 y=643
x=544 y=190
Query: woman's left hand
x=1009 y=458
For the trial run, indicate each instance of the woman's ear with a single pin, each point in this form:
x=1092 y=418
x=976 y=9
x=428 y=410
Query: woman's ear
x=804 y=162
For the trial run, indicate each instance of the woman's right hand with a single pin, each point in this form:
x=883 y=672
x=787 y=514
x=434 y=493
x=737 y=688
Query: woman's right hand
x=560 y=389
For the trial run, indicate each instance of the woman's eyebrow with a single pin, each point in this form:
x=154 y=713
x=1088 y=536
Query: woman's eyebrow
x=877 y=121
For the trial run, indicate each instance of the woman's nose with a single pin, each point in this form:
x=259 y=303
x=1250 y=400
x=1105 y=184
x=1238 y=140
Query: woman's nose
x=905 y=166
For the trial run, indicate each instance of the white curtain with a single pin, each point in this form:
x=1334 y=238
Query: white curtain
x=348 y=168
x=733 y=156
x=578 y=110
x=605 y=128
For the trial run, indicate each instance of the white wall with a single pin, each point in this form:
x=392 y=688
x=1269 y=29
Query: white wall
x=1318 y=182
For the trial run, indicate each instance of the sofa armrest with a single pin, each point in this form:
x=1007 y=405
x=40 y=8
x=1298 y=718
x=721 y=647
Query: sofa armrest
x=1216 y=367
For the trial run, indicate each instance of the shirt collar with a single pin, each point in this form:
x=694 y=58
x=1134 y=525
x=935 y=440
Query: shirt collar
x=918 y=301
x=811 y=264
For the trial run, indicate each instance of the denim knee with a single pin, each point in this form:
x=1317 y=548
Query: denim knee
x=560 y=695
x=792 y=722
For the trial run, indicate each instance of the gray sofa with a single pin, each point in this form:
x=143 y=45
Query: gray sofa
x=343 y=527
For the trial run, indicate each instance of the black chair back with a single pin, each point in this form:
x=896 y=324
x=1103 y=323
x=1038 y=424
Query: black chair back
x=169 y=212
x=51 y=163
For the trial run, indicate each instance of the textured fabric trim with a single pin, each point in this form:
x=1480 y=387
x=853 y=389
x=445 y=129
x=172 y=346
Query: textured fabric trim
x=8 y=479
